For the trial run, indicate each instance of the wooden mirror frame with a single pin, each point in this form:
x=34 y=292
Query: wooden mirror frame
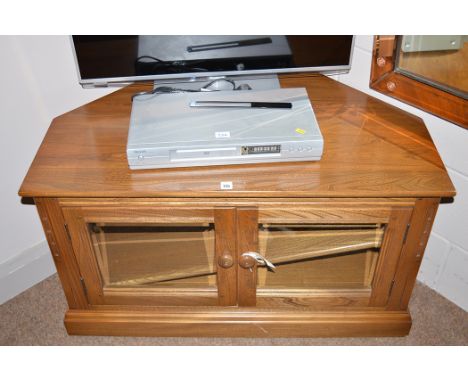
x=386 y=79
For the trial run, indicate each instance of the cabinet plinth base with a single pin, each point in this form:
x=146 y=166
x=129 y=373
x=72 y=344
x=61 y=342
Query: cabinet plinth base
x=237 y=324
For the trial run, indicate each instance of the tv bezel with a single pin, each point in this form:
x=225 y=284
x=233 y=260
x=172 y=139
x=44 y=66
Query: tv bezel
x=197 y=76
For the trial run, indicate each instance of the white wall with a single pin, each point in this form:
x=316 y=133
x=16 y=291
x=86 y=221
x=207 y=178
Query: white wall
x=39 y=82
x=445 y=264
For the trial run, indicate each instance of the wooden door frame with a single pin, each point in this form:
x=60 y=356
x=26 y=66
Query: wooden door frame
x=77 y=219
x=397 y=221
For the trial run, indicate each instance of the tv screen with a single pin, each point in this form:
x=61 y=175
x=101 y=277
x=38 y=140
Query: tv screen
x=104 y=59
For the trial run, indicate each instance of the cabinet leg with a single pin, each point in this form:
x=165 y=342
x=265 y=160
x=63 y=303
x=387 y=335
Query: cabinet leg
x=62 y=252
x=412 y=254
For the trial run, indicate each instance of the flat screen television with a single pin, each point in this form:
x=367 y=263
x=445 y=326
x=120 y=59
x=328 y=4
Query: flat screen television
x=102 y=60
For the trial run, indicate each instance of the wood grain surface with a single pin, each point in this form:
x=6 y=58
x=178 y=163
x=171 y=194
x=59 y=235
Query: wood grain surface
x=226 y=245
x=247 y=241
x=371 y=150
x=241 y=323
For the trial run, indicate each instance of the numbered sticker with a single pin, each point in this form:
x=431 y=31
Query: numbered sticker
x=222 y=134
x=226 y=186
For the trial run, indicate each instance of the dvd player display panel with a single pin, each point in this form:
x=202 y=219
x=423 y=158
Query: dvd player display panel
x=166 y=132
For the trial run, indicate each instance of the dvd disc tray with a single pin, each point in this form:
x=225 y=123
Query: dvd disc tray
x=166 y=132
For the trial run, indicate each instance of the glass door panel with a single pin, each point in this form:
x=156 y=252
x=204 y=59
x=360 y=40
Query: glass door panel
x=155 y=255
x=319 y=256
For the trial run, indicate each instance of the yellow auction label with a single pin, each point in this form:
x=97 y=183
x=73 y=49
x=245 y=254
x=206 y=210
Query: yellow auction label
x=300 y=131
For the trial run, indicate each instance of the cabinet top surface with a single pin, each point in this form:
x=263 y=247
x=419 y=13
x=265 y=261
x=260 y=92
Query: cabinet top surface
x=371 y=149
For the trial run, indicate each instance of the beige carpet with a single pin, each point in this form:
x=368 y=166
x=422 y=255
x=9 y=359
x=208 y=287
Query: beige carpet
x=35 y=318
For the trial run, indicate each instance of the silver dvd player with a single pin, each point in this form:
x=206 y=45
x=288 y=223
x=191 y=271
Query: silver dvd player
x=166 y=132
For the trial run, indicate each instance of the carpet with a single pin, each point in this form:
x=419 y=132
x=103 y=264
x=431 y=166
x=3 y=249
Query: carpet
x=35 y=317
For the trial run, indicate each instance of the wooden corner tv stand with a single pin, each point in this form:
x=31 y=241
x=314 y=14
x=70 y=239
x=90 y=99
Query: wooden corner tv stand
x=168 y=253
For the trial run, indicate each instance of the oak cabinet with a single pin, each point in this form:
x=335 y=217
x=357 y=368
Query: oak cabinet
x=325 y=248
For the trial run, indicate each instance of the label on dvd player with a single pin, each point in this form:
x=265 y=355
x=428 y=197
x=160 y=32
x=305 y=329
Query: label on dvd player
x=222 y=134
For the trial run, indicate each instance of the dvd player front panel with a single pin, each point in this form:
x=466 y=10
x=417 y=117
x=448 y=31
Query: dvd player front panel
x=190 y=156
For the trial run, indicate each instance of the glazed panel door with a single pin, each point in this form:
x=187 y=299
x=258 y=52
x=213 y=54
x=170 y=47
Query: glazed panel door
x=155 y=255
x=324 y=255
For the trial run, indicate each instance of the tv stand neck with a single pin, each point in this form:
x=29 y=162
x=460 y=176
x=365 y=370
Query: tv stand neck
x=266 y=82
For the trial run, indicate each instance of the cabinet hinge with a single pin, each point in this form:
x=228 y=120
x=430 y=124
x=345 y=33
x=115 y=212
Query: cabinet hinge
x=84 y=287
x=406 y=233
x=68 y=231
x=391 y=287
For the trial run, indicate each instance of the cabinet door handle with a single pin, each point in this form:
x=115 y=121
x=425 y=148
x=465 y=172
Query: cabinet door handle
x=225 y=261
x=248 y=260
